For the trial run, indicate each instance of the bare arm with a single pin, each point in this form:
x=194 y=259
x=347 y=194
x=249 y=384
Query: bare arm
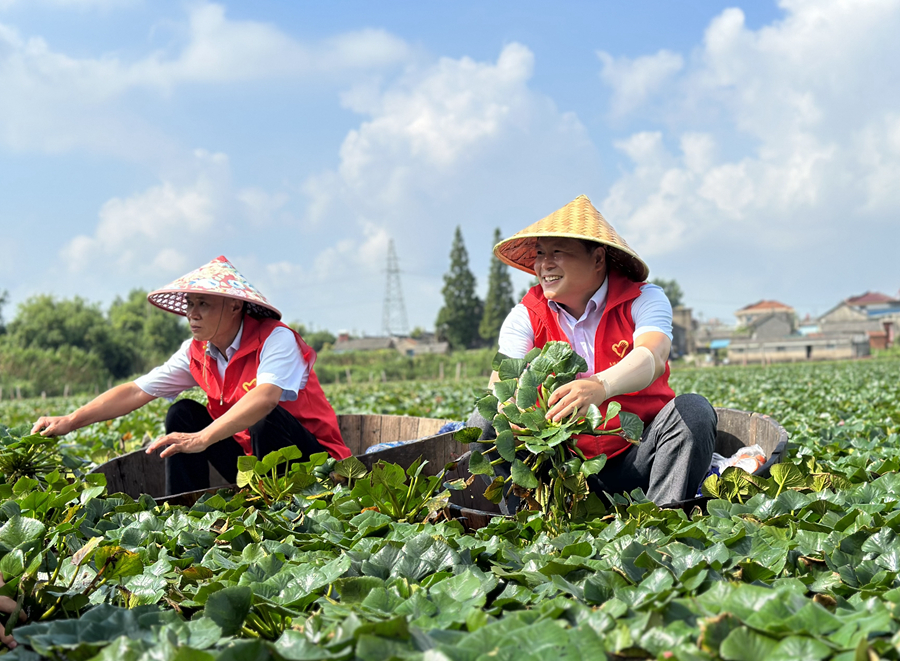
x=116 y=402
x=250 y=409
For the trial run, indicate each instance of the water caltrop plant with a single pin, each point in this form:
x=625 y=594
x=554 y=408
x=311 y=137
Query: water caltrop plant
x=546 y=468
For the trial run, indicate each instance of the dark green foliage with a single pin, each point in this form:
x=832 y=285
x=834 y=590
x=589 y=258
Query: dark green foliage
x=316 y=339
x=4 y=297
x=457 y=322
x=155 y=334
x=672 y=290
x=499 y=300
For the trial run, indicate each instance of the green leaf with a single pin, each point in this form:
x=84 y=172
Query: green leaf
x=744 y=644
x=505 y=389
x=506 y=445
x=469 y=434
x=632 y=426
x=593 y=466
x=246 y=463
x=479 y=465
x=497 y=360
x=787 y=476
x=494 y=492
x=84 y=553
x=511 y=368
x=291 y=453
x=19 y=531
x=487 y=407
x=12 y=564
x=228 y=608
x=523 y=476
x=351 y=468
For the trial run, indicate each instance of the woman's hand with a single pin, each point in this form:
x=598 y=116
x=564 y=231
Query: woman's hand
x=575 y=396
x=7 y=605
x=180 y=442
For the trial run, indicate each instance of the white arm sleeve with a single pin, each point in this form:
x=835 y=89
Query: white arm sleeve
x=651 y=311
x=170 y=378
x=516 y=334
x=634 y=372
x=282 y=364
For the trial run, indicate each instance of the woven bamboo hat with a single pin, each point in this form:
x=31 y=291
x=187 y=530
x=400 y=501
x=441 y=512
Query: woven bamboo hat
x=220 y=278
x=577 y=220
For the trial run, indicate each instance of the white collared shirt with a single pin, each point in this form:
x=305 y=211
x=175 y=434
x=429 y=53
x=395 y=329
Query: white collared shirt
x=651 y=311
x=280 y=363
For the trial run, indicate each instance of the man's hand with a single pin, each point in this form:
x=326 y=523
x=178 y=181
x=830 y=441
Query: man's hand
x=7 y=605
x=53 y=425
x=575 y=396
x=180 y=442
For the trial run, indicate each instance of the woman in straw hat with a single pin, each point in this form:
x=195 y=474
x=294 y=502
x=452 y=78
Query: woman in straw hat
x=263 y=393
x=592 y=294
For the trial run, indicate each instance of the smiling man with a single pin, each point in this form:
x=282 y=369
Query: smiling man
x=257 y=373
x=592 y=293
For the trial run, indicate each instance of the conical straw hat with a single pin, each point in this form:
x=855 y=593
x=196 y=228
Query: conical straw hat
x=577 y=220
x=220 y=278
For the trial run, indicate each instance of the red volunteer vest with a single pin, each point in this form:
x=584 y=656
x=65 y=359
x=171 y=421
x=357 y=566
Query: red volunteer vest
x=612 y=343
x=311 y=409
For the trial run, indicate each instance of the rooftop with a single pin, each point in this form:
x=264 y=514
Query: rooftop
x=870 y=298
x=765 y=306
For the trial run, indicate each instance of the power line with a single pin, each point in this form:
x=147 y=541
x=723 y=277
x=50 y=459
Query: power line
x=394 y=314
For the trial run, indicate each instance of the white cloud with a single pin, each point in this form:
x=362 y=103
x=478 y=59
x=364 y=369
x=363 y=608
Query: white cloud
x=158 y=229
x=56 y=102
x=788 y=143
x=633 y=81
x=458 y=142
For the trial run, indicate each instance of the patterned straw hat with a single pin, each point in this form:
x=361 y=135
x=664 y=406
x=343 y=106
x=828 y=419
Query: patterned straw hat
x=577 y=220
x=220 y=278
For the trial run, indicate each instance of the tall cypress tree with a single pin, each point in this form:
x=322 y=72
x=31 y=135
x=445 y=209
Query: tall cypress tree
x=499 y=300
x=457 y=322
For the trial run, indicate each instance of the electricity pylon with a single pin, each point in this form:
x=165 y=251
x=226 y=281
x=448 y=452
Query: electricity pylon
x=394 y=311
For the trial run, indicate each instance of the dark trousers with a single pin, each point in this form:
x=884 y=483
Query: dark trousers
x=673 y=457
x=190 y=472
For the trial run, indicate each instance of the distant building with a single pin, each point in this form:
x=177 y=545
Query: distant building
x=747 y=315
x=683 y=332
x=797 y=348
x=406 y=345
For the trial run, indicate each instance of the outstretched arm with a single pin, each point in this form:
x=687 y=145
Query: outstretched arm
x=641 y=367
x=113 y=403
x=250 y=409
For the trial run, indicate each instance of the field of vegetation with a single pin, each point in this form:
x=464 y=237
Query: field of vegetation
x=805 y=565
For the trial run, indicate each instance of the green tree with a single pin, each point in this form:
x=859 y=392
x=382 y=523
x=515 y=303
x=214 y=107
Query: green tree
x=499 y=300
x=4 y=297
x=672 y=290
x=42 y=322
x=457 y=322
x=155 y=334
x=316 y=339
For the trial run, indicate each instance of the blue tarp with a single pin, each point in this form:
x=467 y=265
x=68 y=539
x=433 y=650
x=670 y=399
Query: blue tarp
x=719 y=344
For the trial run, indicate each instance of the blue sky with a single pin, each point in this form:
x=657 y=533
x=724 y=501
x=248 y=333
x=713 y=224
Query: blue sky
x=748 y=150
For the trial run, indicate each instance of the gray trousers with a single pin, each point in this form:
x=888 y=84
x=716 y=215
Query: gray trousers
x=670 y=462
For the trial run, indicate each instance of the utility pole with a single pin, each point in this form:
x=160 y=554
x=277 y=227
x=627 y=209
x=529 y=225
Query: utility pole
x=394 y=311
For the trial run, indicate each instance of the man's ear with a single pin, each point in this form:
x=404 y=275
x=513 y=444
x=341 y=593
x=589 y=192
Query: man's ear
x=600 y=255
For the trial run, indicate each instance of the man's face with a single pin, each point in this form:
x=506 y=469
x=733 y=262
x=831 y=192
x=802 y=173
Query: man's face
x=205 y=314
x=567 y=271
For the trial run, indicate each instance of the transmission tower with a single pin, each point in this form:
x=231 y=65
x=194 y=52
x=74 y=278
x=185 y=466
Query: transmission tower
x=394 y=314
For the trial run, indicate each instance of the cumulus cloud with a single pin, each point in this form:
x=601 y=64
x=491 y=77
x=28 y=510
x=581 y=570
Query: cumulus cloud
x=156 y=230
x=56 y=102
x=777 y=142
x=460 y=142
x=633 y=81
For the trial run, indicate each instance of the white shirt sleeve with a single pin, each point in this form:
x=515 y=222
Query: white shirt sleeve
x=651 y=311
x=172 y=377
x=516 y=334
x=282 y=364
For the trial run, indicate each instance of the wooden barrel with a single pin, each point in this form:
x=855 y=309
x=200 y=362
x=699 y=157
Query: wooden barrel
x=137 y=472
